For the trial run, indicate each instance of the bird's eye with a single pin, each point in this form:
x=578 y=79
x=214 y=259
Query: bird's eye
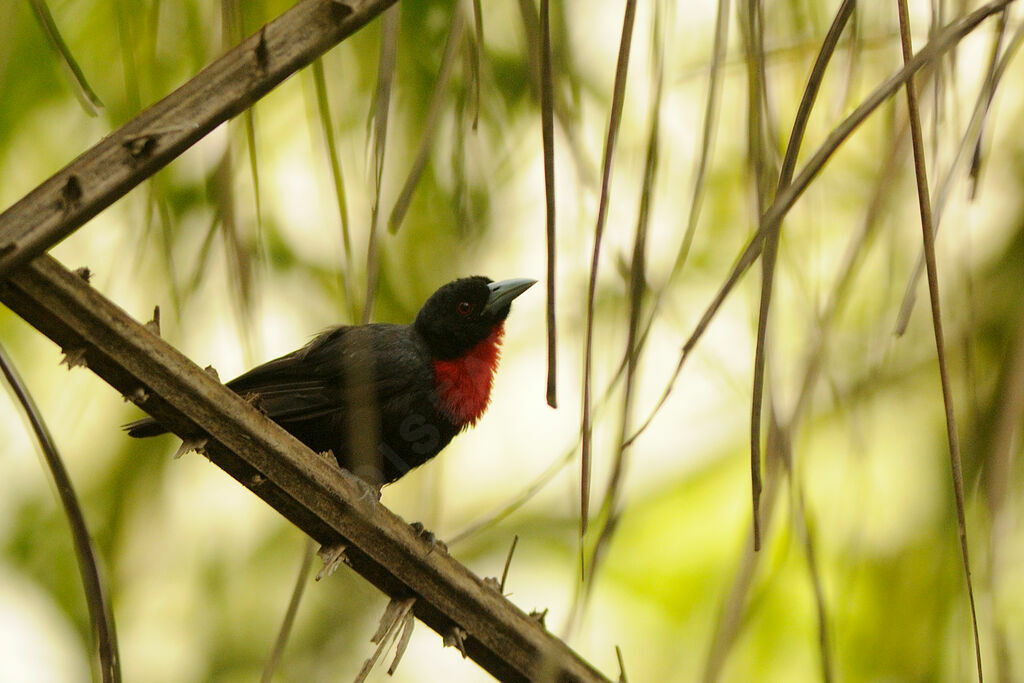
x=464 y=308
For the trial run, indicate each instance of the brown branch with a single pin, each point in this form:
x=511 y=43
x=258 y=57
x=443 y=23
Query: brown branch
x=319 y=498
x=147 y=143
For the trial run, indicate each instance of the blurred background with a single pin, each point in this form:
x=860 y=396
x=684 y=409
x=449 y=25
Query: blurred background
x=257 y=238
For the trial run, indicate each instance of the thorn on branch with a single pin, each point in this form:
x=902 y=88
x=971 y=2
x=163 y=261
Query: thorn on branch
x=456 y=637
x=539 y=616
x=188 y=445
x=70 y=194
x=346 y=8
x=492 y=583
x=141 y=146
x=84 y=272
x=138 y=396
x=262 y=53
x=74 y=358
x=154 y=324
x=212 y=372
x=333 y=557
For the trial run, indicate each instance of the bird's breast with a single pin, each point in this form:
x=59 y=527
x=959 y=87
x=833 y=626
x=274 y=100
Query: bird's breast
x=463 y=384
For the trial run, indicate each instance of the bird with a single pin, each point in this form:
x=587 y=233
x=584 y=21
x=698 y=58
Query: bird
x=385 y=398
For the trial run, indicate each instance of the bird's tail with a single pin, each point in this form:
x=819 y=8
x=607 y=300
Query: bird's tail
x=147 y=426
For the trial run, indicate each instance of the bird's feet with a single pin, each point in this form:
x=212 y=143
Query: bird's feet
x=368 y=490
x=429 y=537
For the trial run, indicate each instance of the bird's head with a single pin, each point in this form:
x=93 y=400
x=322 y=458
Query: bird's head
x=463 y=313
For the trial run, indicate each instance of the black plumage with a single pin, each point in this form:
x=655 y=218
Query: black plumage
x=385 y=398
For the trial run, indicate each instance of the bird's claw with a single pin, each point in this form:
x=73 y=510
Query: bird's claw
x=333 y=557
x=367 y=490
x=428 y=536
x=370 y=492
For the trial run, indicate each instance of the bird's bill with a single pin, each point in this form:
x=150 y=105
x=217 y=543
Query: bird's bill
x=502 y=293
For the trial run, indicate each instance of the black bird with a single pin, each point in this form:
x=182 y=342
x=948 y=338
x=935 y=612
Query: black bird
x=385 y=398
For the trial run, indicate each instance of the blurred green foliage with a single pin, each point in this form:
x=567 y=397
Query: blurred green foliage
x=200 y=571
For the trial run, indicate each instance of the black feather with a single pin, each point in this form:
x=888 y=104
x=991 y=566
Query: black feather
x=367 y=392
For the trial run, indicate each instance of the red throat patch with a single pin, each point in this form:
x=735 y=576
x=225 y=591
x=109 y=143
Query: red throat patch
x=464 y=383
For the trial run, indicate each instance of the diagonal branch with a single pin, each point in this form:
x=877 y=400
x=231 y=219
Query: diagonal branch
x=319 y=498
x=147 y=143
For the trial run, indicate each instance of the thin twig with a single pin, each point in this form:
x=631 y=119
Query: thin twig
x=771 y=246
x=547 y=119
x=757 y=146
x=381 y=109
x=924 y=204
x=784 y=201
x=609 y=511
x=614 y=118
x=622 y=665
x=715 y=76
x=712 y=104
x=566 y=112
x=508 y=564
x=970 y=140
x=478 y=51
x=101 y=615
x=87 y=97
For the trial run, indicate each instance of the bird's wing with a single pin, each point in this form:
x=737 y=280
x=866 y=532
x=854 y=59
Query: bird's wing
x=300 y=385
x=337 y=367
x=286 y=388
